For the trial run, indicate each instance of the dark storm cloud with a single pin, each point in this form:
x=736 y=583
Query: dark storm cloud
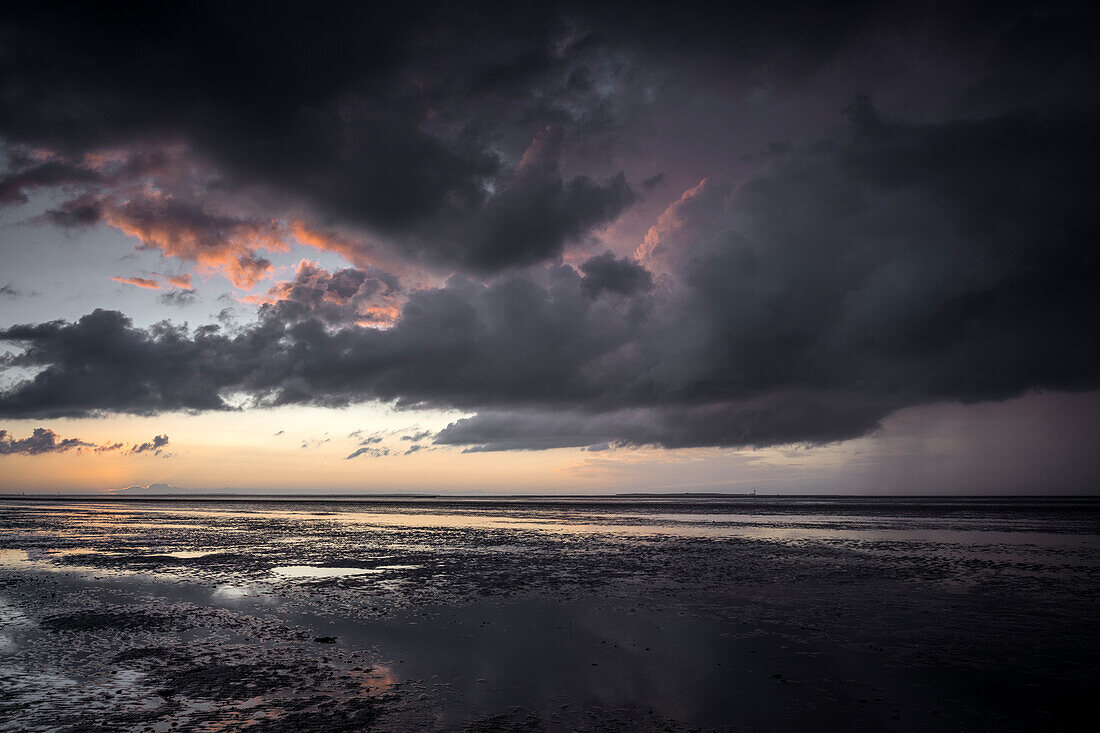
x=44 y=440
x=461 y=341
x=344 y=134
x=611 y=274
x=535 y=215
x=774 y=419
x=892 y=266
x=864 y=269
x=124 y=368
x=407 y=120
x=342 y=297
x=53 y=173
x=83 y=211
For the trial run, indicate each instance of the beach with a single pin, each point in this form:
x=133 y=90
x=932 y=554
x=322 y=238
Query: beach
x=612 y=613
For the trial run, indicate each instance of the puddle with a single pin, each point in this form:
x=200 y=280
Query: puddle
x=15 y=559
x=378 y=681
x=312 y=571
x=229 y=591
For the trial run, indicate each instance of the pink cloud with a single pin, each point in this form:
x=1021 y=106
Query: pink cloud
x=190 y=231
x=683 y=224
x=141 y=282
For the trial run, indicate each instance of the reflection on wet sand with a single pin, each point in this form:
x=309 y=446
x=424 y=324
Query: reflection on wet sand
x=310 y=571
x=548 y=615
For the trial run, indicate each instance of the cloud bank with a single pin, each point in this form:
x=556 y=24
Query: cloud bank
x=935 y=247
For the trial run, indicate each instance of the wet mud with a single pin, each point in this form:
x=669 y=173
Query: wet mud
x=722 y=615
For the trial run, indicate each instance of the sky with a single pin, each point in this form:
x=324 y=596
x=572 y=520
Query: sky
x=560 y=248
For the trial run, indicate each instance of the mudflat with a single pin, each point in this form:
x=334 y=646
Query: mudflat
x=620 y=613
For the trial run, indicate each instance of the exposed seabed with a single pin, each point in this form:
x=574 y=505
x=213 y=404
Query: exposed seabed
x=714 y=614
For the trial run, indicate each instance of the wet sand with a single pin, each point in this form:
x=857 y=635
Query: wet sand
x=616 y=614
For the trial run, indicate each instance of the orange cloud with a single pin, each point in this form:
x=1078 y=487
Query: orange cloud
x=141 y=282
x=365 y=297
x=379 y=316
x=214 y=241
x=183 y=282
x=283 y=289
x=353 y=250
x=256 y=299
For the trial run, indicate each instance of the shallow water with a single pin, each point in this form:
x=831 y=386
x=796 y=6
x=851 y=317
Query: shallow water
x=549 y=614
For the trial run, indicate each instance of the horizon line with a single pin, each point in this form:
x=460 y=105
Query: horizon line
x=258 y=496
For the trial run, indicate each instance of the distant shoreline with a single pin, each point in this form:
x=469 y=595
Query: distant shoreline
x=637 y=496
